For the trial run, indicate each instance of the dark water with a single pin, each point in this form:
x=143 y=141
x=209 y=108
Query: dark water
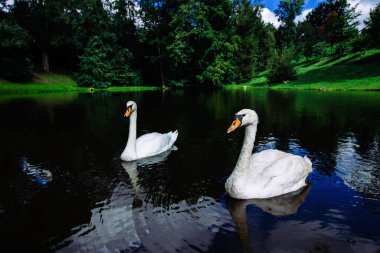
x=63 y=187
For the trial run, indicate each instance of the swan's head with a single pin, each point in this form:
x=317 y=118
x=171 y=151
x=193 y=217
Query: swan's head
x=243 y=118
x=131 y=107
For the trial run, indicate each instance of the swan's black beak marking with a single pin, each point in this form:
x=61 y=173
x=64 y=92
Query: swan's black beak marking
x=238 y=118
x=128 y=112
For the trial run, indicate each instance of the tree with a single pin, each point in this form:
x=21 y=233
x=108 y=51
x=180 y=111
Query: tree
x=372 y=29
x=281 y=67
x=334 y=21
x=155 y=16
x=249 y=27
x=286 y=12
x=266 y=46
x=306 y=37
x=41 y=18
x=202 y=44
x=15 y=63
x=105 y=64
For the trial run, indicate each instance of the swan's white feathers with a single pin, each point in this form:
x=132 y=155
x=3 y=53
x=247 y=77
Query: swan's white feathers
x=154 y=143
x=273 y=173
x=148 y=144
x=268 y=173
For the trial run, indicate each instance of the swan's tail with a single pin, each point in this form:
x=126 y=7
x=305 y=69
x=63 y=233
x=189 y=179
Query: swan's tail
x=173 y=137
x=307 y=160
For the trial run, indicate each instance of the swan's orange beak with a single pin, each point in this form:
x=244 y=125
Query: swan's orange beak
x=235 y=124
x=128 y=112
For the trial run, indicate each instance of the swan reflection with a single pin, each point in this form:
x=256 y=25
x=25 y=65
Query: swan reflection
x=128 y=221
x=283 y=205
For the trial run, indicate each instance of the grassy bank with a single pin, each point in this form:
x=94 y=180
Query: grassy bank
x=356 y=71
x=56 y=83
x=42 y=83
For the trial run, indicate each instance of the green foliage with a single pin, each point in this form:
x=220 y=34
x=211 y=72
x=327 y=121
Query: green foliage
x=281 y=68
x=172 y=43
x=202 y=45
x=342 y=48
x=14 y=44
x=334 y=21
x=103 y=65
x=266 y=46
x=372 y=29
x=286 y=12
x=306 y=38
x=360 y=43
x=252 y=34
x=320 y=49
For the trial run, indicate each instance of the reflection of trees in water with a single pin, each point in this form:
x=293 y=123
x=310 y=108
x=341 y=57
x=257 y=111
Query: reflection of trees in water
x=314 y=236
x=360 y=170
x=79 y=141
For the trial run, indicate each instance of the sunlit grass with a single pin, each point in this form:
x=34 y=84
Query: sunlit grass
x=356 y=71
x=57 y=83
x=42 y=83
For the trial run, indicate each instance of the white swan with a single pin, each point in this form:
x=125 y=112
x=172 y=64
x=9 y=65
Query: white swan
x=265 y=174
x=148 y=144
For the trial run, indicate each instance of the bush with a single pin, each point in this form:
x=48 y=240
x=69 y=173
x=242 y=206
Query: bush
x=359 y=44
x=320 y=49
x=105 y=64
x=342 y=48
x=281 y=68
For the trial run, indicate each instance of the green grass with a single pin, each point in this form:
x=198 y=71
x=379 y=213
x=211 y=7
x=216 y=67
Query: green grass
x=356 y=71
x=132 y=88
x=56 y=83
x=42 y=83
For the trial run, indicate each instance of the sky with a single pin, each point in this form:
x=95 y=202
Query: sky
x=364 y=6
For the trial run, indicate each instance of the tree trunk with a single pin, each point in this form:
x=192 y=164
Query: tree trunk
x=45 y=61
x=161 y=67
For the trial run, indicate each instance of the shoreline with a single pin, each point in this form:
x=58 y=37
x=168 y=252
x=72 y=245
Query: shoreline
x=10 y=89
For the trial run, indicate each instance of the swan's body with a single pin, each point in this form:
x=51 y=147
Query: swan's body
x=265 y=174
x=148 y=144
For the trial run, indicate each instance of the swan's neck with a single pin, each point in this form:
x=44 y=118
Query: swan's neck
x=235 y=182
x=242 y=164
x=130 y=149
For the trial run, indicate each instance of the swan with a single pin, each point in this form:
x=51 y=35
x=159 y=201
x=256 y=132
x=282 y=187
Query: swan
x=148 y=144
x=265 y=174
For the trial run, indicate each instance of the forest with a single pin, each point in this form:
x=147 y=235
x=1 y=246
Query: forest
x=173 y=43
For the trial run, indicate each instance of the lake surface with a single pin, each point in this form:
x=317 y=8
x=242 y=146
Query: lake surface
x=63 y=187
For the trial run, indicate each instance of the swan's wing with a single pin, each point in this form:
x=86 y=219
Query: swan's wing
x=277 y=169
x=154 y=143
x=260 y=162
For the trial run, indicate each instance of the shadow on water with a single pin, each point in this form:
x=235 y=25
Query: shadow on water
x=63 y=187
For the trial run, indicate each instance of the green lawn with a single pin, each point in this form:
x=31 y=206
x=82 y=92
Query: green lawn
x=42 y=83
x=56 y=83
x=357 y=71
